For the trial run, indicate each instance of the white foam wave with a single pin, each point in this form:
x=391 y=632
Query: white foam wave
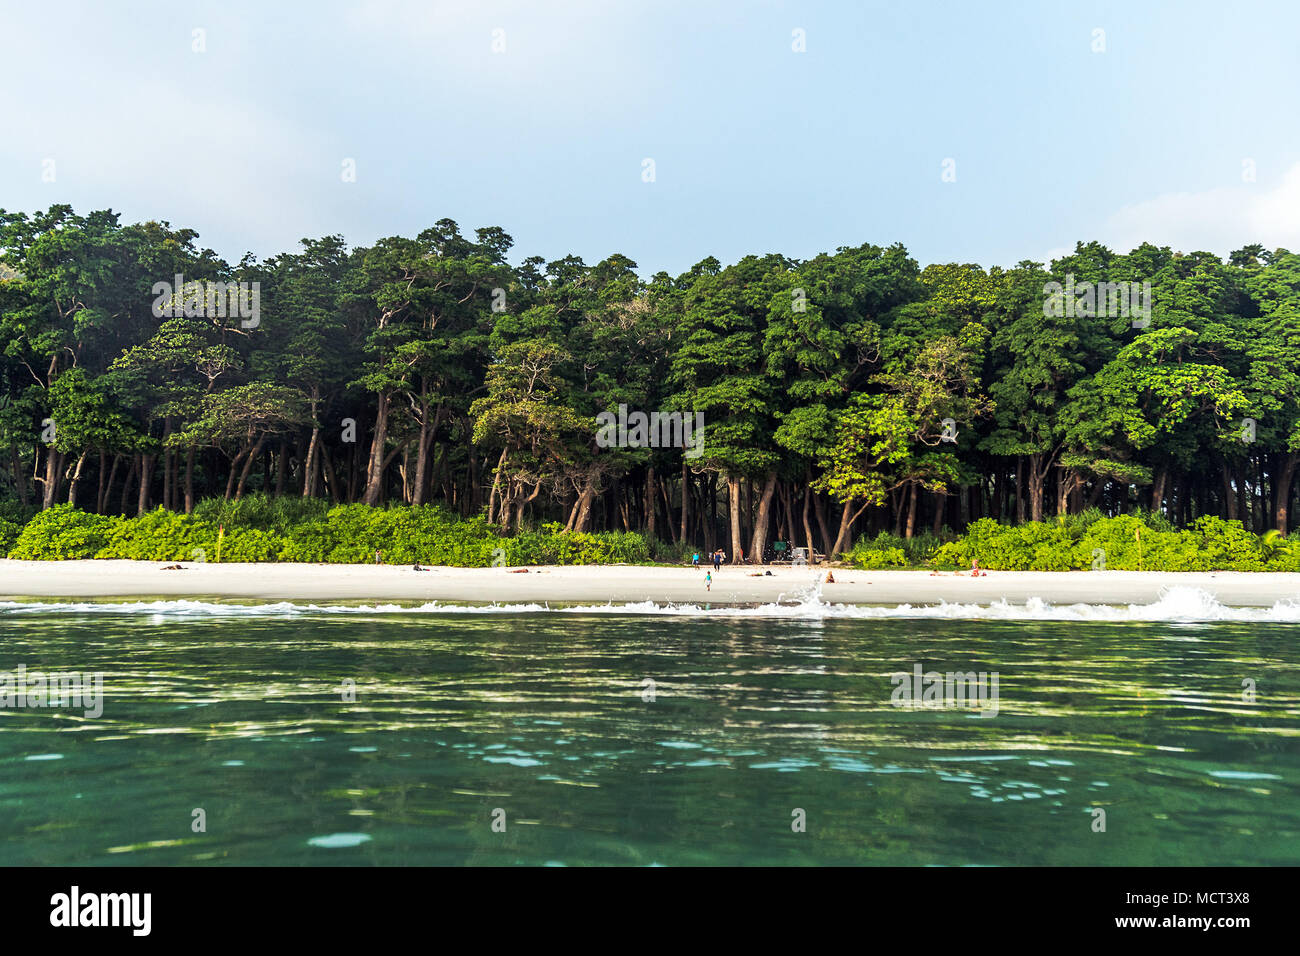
x=1176 y=604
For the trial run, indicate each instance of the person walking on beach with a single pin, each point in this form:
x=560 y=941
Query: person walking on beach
x=717 y=559
x=695 y=559
x=708 y=581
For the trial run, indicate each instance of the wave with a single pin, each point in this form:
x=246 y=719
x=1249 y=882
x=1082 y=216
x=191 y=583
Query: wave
x=1176 y=604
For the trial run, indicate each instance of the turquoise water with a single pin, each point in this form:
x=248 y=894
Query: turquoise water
x=544 y=717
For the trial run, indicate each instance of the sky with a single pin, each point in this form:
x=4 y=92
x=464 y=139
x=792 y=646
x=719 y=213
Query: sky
x=666 y=131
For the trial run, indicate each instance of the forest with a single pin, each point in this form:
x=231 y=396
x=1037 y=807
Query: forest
x=852 y=393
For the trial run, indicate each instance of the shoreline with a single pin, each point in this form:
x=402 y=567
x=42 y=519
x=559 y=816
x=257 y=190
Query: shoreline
x=96 y=580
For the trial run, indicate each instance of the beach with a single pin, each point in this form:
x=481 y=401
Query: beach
x=619 y=584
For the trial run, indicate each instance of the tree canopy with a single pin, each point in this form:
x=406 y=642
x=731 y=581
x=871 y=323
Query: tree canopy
x=847 y=393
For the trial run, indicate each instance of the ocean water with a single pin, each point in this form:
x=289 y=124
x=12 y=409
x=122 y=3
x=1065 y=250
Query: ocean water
x=1166 y=734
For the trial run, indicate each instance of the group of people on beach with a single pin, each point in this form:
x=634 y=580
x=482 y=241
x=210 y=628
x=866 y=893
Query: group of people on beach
x=975 y=570
x=717 y=557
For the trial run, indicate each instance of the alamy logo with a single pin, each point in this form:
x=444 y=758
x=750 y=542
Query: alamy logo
x=656 y=430
x=56 y=689
x=954 y=689
x=213 y=300
x=1105 y=299
x=103 y=909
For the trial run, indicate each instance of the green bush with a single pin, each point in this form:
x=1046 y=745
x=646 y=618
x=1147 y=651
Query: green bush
x=1141 y=542
x=161 y=535
x=552 y=545
x=62 y=533
x=1038 y=546
x=313 y=542
x=887 y=550
x=875 y=558
x=259 y=511
x=351 y=534
x=291 y=529
x=9 y=531
x=16 y=512
x=250 y=544
x=666 y=552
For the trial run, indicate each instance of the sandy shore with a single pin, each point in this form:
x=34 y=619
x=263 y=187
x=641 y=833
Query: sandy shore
x=620 y=584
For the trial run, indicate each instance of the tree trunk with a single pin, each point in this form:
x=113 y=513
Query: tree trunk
x=233 y=476
x=523 y=503
x=1158 y=491
x=807 y=528
x=911 y=511
x=20 y=480
x=496 y=484
x=1264 y=513
x=583 y=507
x=167 y=461
x=331 y=479
x=146 y=479
x=52 y=465
x=668 y=512
x=758 y=544
x=126 y=484
x=423 y=446
x=1036 y=490
x=1239 y=481
x=76 y=477
x=1282 y=489
x=847 y=517
x=651 y=502
x=475 y=495
x=733 y=506
x=686 y=500
x=108 y=485
x=309 y=463
x=421 y=462
x=819 y=511
x=375 y=468
x=248 y=466
x=103 y=474
x=1020 y=489
x=281 y=468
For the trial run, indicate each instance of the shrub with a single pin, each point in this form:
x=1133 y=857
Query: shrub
x=291 y=529
x=884 y=551
x=250 y=544
x=16 y=512
x=161 y=535
x=62 y=533
x=1138 y=542
x=666 y=552
x=873 y=559
x=9 y=531
x=552 y=545
x=313 y=542
x=1035 y=545
x=259 y=511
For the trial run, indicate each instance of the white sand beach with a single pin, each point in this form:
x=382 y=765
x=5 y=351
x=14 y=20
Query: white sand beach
x=618 y=584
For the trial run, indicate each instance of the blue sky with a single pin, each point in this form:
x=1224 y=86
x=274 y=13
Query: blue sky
x=757 y=148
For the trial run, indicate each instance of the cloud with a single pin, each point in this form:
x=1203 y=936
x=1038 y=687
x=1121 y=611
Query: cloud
x=1216 y=220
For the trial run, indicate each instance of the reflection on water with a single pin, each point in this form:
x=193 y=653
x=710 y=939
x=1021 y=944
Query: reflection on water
x=543 y=717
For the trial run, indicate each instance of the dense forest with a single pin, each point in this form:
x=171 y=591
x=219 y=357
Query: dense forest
x=842 y=395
